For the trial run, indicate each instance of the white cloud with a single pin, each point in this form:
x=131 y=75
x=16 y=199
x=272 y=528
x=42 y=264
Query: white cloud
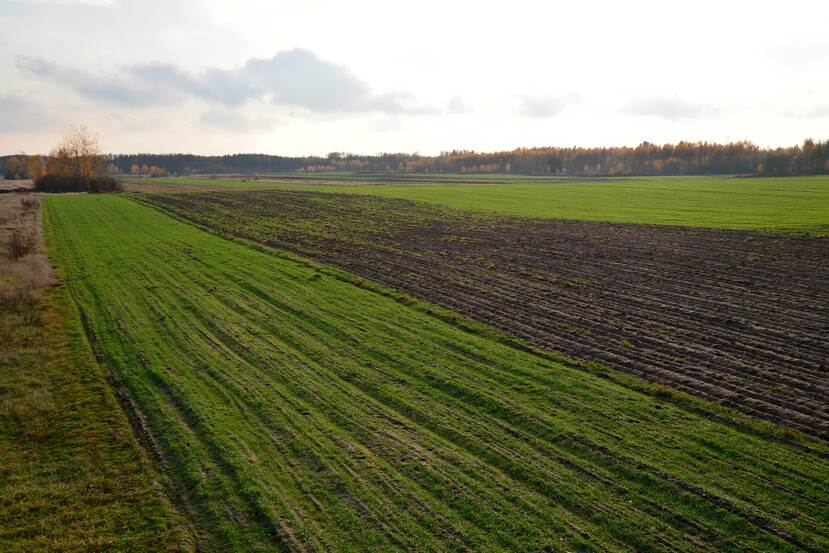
x=672 y=109
x=546 y=105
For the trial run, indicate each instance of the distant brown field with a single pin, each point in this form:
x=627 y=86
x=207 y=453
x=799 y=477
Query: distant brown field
x=7 y=185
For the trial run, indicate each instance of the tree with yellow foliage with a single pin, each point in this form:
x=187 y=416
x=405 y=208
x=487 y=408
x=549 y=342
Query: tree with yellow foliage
x=78 y=154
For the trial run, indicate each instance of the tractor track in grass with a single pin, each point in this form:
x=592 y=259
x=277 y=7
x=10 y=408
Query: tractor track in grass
x=300 y=408
x=739 y=317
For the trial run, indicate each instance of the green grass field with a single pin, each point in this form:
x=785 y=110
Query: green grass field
x=385 y=178
x=797 y=204
x=297 y=409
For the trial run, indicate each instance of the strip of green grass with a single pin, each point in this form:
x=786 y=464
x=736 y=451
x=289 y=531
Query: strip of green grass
x=462 y=178
x=72 y=477
x=295 y=409
x=799 y=204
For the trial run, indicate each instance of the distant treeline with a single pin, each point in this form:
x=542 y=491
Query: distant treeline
x=684 y=158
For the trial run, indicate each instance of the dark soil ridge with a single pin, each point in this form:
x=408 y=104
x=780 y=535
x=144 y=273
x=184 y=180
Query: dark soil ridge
x=739 y=317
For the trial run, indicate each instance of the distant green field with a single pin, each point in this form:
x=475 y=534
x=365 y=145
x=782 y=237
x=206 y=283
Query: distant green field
x=796 y=204
x=786 y=204
x=299 y=410
x=482 y=178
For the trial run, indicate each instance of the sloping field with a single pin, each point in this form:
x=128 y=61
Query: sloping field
x=299 y=411
x=739 y=317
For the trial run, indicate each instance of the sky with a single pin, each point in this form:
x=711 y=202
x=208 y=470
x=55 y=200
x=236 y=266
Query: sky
x=317 y=76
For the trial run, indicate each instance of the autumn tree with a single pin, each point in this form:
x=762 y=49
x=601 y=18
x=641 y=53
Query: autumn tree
x=13 y=169
x=75 y=165
x=35 y=166
x=78 y=154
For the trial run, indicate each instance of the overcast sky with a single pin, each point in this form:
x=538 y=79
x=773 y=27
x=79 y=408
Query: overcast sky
x=314 y=76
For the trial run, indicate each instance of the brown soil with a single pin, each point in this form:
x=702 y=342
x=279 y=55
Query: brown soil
x=738 y=317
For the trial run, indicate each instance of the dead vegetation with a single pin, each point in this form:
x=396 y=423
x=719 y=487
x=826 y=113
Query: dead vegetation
x=26 y=264
x=29 y=203
x=24 y=274
x=19 y=244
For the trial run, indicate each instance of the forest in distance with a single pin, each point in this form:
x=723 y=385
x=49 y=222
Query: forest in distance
x=646 y=159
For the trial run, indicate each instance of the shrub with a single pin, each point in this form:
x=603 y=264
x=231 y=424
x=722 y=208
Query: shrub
x=660 y=390
x=20 y=300
x=29 y=203
x=75 y=183
x=20 y=244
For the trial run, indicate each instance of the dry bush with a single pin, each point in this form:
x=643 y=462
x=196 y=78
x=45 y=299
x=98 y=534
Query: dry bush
x=18 y=299
x=29 y=203
x=75 y=183
x=40 y=274
x=20 y=244
x=660 y=390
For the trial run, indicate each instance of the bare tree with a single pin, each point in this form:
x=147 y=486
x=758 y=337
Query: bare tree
x=79 y=153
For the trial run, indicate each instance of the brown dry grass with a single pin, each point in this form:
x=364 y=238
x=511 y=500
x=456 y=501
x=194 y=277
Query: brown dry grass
x=24 y=274
x=19 y=216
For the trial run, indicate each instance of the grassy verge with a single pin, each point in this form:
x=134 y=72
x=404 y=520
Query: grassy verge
x=299 y=411
x=72 y=477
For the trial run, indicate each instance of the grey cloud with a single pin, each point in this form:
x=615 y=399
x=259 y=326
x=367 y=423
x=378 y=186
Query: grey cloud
x=299 y=78
x=295 y=78
x=670 y=108
x=221 y=86
x=545 y=106
x=110 y=89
